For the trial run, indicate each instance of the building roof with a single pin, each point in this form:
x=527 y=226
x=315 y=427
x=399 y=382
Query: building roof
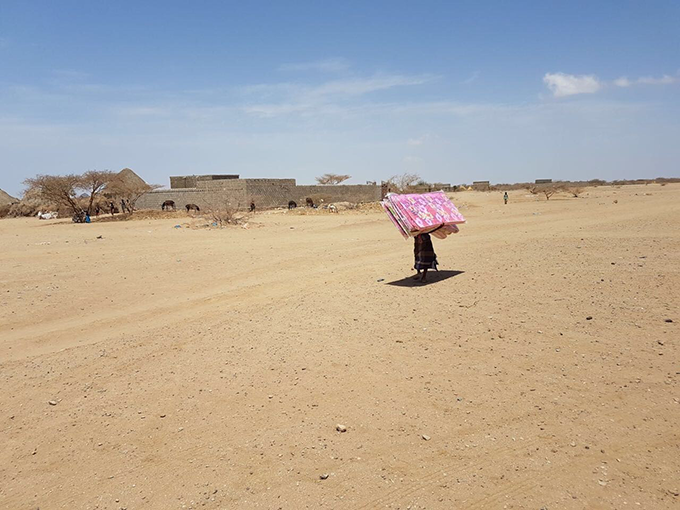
x=130 y=178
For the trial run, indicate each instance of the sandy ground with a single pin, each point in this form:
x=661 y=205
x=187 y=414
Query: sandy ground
x=209 y=368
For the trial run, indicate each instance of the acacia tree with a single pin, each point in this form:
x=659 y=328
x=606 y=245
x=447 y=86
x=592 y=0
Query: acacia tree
x=58 y=190
x=332 y=178
x=93 y=182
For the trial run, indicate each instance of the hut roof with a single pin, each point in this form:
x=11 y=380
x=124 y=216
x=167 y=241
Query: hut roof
x=6 y=198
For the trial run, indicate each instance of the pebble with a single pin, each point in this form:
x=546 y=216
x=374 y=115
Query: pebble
x=163 y=415
x=425 y=437
x=52 y=402
x=323 y=476
x=340 y=428
x=668 y=320
x=589 y=318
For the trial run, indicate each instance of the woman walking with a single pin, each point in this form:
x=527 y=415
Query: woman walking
x=425 y=256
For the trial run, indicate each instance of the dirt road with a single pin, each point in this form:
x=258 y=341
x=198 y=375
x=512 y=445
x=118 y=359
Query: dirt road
x=161 y=367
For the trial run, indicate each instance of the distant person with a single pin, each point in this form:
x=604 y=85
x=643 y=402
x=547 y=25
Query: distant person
x=425 y=257
x=112 y=208
x=505 y=198
x=123 y=207
x=97 y=210
x=252 y=206
x=87 y=218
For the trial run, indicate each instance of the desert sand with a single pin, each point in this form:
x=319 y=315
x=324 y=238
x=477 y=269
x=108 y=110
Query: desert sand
x=161 y=367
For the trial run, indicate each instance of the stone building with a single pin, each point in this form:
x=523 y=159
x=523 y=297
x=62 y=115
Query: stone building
x=481 y=185
x=218 y=191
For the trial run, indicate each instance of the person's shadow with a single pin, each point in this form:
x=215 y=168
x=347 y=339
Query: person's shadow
x=432 y=277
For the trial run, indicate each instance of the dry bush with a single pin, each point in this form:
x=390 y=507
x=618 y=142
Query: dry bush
x=226 y=213
x=550 y=190
x=576 y=191
x=332 y=178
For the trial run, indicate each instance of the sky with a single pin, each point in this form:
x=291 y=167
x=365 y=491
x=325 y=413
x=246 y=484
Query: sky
x=451 y=91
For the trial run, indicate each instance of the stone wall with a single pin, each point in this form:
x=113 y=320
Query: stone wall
x=266 y=193
x=181 y=197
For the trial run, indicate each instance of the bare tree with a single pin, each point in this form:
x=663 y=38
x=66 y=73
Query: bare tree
x=575 y=191
x=332 y=178
x=402 y=183
x=57 y=190
x=93 y=182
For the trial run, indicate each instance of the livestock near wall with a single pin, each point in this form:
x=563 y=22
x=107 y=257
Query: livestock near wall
x=214 y=192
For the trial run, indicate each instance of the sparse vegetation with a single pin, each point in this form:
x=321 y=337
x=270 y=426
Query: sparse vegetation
x=226 y=213
x=403 y=183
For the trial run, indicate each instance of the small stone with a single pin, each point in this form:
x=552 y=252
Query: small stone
x=340 y=428
x=589 y=318
x=602 y=483
x=426 y=437
x=52 y=402
x=668 y=320
x=323 y=476
x=572 y=444
x=163 y=415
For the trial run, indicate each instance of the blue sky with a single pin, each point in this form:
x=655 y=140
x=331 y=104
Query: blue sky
x=453 y=91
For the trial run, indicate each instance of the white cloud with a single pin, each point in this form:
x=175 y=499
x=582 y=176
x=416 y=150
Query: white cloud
x=664 y=80
x=622 y=82
x=647 y=80
x=562 y=85
x=330 y=65
x=290 y=98
x=472 y=78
